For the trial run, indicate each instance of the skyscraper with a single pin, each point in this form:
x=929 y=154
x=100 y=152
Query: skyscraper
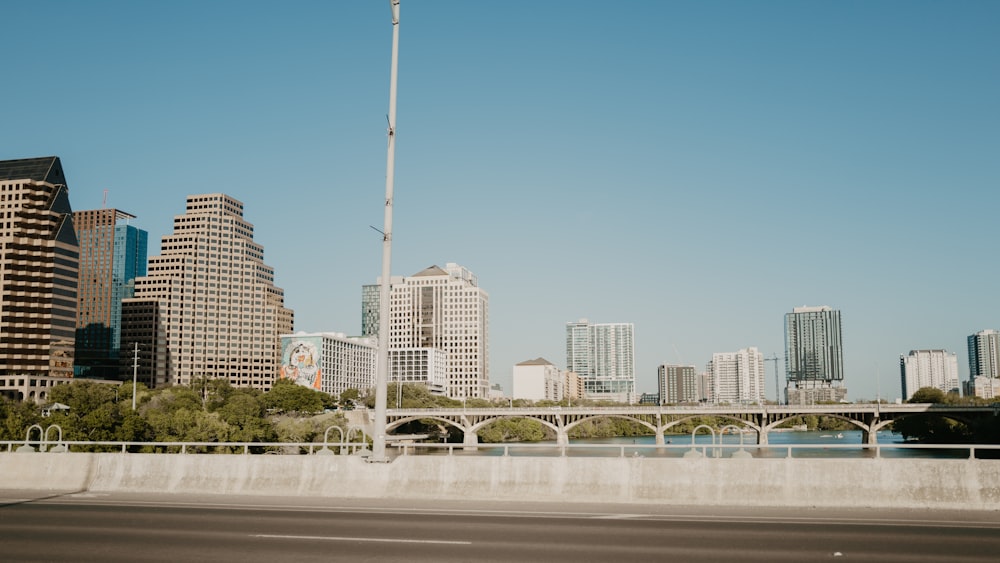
x=208 y=306
x=112 y=255
x=814 y=358
x=984 y=364
x=928 y=368
x=737 y=377
x=603 y=355
x=39 y=266
x=984 y=354
x=441 y=308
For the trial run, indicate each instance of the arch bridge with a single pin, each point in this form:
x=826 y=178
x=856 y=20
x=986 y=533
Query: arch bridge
x=869 y=418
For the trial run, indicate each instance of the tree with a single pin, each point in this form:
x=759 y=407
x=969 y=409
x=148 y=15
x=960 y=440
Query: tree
x=288 y=396
x=927 y=395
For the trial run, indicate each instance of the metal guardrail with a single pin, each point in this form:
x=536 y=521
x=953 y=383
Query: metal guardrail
x=717 y=450
x=706 y=450
x=246 y=448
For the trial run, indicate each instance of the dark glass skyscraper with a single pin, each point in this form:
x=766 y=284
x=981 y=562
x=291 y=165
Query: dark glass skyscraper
x=112 y=255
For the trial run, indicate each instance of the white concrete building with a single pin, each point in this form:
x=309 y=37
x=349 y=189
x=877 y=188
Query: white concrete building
x=329 y=361
x=538 y=380
x=427 y=366
x=208 y=306
x=444 y=309
x=928 y=368
x=737 y=377
x=984 y=387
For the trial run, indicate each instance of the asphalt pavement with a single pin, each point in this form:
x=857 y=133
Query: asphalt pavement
x=82 y=527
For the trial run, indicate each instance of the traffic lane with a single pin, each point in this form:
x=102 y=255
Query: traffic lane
x=82 y=532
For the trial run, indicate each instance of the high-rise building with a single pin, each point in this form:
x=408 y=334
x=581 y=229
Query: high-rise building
x=538 y=380
x=39 y=267
x=737 y=377
x=208 y=306
x=440 y=308
x=928 y=368
x=984 y=364
x=329 y=362
x=603 y=355
x=814 y=356
x=112 y=255
x=677 y=384
x=984 y=354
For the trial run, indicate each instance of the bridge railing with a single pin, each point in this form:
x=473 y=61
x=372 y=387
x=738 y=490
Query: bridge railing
x=686 y=450
x=720 y=450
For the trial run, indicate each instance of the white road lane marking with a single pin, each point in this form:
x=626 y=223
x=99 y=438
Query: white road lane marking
x=376 y=540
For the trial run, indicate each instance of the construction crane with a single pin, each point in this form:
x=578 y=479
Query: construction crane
x=777 y=390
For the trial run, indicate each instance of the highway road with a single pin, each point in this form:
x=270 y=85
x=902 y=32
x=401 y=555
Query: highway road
x=83 y=527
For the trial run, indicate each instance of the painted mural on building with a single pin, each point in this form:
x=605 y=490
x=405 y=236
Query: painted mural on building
x=300 y=361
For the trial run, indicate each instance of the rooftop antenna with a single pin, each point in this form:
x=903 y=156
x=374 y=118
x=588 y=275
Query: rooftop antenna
x=382 y=368
x=104 y=202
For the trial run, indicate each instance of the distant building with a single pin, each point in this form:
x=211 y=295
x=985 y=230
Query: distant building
x=39 y=270
x=984 y=354
x=649 y=399
x=737 y=377
x=112 y=255
x=928 y=368
x=443 y=309
x=538 y=380
x=329 y=362
x=208 y=306
x=603 y=356
x=984 y=363
x=677 y=384
x=814 y=356
x=426 y=366
x=572 y=386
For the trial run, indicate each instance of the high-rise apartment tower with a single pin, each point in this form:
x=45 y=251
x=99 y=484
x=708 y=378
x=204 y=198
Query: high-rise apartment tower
x=814 y=357
x=928 y=368
x=603 y=355
x=677 y=384
x=737 y=377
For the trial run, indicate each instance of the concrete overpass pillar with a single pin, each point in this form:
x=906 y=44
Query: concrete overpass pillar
x=762 y=436
x=659 y=437
x=470 y=440
x=869 y=437
x=562 y=437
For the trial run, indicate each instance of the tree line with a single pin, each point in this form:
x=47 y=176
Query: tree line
x=208 y=410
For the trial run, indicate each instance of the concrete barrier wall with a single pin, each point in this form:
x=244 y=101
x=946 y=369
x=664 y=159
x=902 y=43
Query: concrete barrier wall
x=897 y=483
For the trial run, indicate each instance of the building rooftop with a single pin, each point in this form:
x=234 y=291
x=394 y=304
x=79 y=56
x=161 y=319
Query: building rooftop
x=41 y=169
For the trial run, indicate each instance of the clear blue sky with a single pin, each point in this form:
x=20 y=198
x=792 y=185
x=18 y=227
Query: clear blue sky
x=695 y=168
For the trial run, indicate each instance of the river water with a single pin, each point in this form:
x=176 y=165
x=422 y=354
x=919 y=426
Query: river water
x=806 y=444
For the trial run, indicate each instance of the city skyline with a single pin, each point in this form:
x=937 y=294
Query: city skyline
x=697 y=178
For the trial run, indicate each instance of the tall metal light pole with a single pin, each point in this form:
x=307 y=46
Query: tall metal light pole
x=135 y=373
x=382 y=370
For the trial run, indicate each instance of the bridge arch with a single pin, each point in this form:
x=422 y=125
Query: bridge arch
x=587 y=418
x=389 y=427
x=487 y=421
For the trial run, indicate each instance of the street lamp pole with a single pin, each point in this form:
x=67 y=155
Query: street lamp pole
x=135 y=373
x=382 y=369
